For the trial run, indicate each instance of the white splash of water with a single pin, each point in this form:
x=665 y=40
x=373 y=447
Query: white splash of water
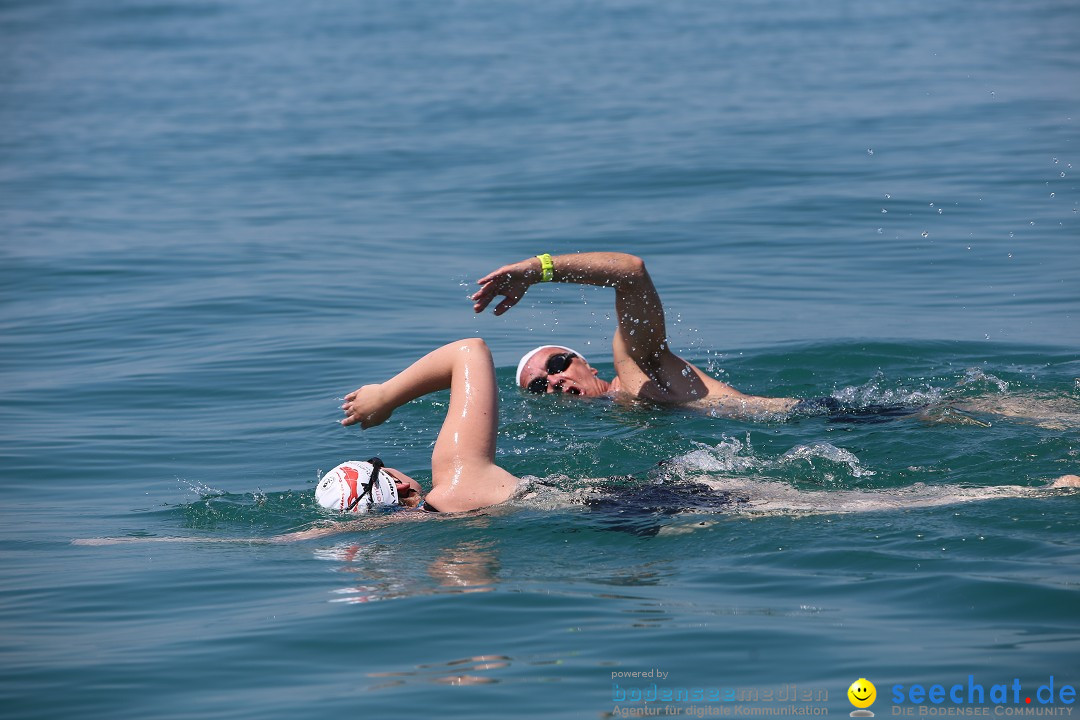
x=976 y=375
x=829 y=452
x=873 y=392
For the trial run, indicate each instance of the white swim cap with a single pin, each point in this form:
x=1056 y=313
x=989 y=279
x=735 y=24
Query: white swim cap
x=350 y=487
x=528 y=356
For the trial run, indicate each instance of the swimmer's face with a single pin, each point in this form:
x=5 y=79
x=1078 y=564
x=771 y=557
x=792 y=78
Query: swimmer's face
x=409 y=491
x=578 y=378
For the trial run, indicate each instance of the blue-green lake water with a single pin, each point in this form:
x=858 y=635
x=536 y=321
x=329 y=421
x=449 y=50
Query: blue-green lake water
x=217 y=218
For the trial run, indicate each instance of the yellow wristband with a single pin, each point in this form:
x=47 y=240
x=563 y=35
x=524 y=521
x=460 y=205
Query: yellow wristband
x=547 y=268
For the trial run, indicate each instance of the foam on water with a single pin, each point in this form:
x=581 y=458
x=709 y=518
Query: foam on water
x=877 y=391
x=731 y=455
x=831 y=453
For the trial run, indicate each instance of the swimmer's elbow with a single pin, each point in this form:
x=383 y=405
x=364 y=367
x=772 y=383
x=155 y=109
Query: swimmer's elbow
x=632 y=270
x=472 y=344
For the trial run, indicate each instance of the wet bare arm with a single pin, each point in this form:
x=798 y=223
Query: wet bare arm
x=372 y=405
x=464 y=473
x=640 y=312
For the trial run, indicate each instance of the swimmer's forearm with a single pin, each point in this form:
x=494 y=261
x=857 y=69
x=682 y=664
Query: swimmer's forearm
x=603 y=269
x=636 y=299
x=429 y=374
x=371 y=405
x=637 y=303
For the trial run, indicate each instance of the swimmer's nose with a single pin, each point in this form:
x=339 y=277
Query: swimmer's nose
x=557 y=385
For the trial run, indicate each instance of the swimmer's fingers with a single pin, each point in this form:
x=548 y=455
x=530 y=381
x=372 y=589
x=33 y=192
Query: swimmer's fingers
x=510 y=281
x=366 y=406
x=510 y=299
x=351 y=416
x=500 y=275
x=368 y=421
x=483 y=297
x=512 y=290
x=509 y=302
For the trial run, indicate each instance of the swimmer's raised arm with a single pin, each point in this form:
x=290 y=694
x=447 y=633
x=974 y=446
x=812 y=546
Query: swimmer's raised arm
x=464 y=473
x=645 y=366
x=642 y=329
x=372 y=405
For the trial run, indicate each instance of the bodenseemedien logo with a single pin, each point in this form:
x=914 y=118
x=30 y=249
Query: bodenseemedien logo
x=862 y=694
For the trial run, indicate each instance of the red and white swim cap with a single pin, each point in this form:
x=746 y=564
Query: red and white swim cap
x=345 y=488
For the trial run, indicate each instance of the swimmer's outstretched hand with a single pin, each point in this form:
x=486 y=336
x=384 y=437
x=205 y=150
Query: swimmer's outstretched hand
x=510 y=281
x=368 y=406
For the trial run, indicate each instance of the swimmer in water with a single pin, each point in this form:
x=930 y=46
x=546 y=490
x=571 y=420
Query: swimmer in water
x=645 y=366
x=647 y=369
x=464 y=475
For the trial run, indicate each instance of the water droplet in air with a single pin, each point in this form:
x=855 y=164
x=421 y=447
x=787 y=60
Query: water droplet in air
x=1051 y=194
x=1063 y=174
x=880 y=231
x=869 y=151
x=1010 y=256
x=1032 y=222
x=1055 y=161
x=1010 y=234
x=884 y=210
x=939 y=211
x=931 y=204
x=925 y=234
x=888 y=196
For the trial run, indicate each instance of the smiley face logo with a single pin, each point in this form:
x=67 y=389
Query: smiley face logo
x=862 y=693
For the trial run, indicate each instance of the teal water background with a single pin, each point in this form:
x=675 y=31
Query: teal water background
x=219 y=217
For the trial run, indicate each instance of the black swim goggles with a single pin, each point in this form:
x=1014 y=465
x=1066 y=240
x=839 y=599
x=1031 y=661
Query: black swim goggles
x=556 y=364
x=376 y=465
